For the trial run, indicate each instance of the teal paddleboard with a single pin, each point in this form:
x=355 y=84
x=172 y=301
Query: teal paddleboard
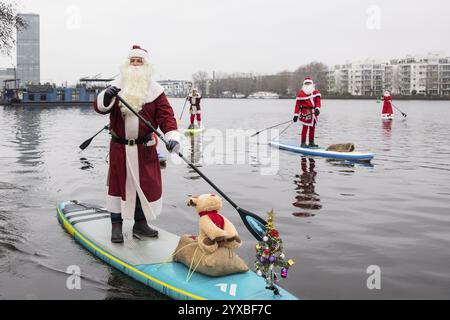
x=354 y=156
x=149 y=260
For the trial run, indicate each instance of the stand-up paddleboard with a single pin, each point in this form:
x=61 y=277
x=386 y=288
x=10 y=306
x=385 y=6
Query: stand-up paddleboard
x=354 y=156
x=195 y=130
x=149 y=260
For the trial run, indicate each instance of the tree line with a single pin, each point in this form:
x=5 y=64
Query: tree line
x=284 y=83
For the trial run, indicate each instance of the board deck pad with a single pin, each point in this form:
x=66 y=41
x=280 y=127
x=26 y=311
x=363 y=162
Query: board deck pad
x=195 y=130
x=149 y=260
x=355 y=156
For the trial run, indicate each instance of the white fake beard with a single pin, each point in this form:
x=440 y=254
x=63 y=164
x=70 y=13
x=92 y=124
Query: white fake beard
x=387 y=94
x=135 y=83
x=308 y=88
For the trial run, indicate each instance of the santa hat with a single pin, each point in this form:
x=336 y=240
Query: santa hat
x=308 y=80
x=138 y=52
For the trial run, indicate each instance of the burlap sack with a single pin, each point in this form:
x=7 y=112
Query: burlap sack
x=342 y=147
x=222 y=262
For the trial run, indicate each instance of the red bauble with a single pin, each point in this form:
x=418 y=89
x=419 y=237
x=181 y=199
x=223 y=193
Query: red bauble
x=274 y=233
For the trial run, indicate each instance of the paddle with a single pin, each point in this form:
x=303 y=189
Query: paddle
x=255 y=224
x=253 y=135
x=289 y=125
x=403 y=114
x=86 y=144
x=185 y=101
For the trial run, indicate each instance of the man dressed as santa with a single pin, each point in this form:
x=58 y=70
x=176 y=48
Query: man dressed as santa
x=194 y=99
x=134 y=177
x=387 y=112
x=307 y=109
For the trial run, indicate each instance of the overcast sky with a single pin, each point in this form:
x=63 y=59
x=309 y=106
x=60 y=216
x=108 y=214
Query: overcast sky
x=89 y=37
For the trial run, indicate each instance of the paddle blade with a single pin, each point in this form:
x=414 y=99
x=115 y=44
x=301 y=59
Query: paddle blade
x=255 y=224
x=85 y=144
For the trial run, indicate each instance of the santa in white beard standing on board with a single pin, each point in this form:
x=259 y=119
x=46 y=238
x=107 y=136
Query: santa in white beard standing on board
x=134 y=177
x=307 y=109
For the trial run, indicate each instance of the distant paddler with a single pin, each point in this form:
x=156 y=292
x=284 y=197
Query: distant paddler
x=194 y=99
x=387 y=113
x=307 y=109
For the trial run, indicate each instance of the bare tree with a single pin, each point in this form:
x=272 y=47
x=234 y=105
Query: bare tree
x=10 y=22
x=200 y=81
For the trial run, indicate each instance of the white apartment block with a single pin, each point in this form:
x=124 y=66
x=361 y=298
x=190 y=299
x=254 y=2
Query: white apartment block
x=176 y=88
x=418 y=75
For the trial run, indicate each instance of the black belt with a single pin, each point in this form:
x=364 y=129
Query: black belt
x=131 y=142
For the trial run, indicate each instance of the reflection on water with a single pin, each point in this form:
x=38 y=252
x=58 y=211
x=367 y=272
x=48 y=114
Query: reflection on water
x=86 y=164
x=307 y=198
x=195 y=155
x=394 y=215
x=387 y=129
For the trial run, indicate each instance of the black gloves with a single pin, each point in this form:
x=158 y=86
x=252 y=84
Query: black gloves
x=110 y=93
x=316 y=112
x=173 y=146
x=295 y=118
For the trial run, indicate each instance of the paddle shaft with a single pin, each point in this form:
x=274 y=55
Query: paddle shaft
x=184 y=107
x=403 y=114
x=85 y=144
x=150 y=126
x=289 y=125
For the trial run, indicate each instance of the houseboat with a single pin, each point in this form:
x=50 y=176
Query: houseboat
x=40 y=95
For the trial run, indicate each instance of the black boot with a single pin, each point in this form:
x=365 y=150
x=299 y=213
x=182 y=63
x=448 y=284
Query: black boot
x=312 y=144
x=142 y=229
x=116 y=233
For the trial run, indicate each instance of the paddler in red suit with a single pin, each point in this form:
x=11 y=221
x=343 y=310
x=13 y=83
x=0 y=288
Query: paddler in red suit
x=387 y=112
x=307 y=110
x=195 y=110
x=134 y=177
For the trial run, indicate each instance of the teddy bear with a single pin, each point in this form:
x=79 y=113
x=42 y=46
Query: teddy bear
x=211 y=252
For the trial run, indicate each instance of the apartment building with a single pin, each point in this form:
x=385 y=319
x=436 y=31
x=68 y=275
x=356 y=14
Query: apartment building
x=411 y=75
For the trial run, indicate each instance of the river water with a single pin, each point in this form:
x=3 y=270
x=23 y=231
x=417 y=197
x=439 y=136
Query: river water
x=336 y=219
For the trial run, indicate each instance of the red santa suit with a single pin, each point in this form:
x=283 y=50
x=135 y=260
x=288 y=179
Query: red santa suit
x=195 y=109
x=304 y=108
x=135 y=169
x=387 y=106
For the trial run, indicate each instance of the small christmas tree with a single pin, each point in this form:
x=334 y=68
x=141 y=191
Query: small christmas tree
x=270 y=257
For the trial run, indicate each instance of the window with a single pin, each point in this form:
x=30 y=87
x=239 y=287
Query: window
x=31 y=97
x=43 y=97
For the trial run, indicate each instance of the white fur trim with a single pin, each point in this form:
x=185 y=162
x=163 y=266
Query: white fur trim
x=100 y=104
x=132 y=183
x=173 y=135
x=116 y=205
x=310 y=97
x=138 y=53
